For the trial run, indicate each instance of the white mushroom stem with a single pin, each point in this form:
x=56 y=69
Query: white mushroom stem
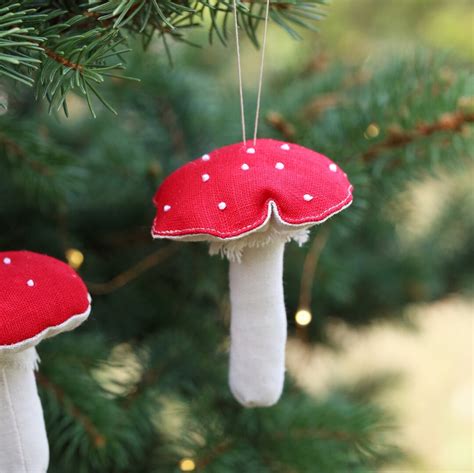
x=23 y=440
x=258 y=325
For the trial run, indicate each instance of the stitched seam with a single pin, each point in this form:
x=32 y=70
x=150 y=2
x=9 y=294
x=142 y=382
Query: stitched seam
x=15 y=425
x=44 y=334
x=253 y=225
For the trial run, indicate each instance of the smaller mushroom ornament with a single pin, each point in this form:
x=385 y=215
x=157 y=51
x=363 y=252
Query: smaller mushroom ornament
x=39 y=297
x=248 y=201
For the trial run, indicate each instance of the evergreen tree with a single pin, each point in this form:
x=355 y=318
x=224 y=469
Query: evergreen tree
x=142 y=386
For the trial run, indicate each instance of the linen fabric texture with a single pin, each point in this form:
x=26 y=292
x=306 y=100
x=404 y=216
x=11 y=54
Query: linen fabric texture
x=23 y=441
x=258 y=326
x=39 y=297
x=232 y=191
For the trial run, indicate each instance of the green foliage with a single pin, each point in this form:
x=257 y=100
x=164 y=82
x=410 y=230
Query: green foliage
x=415 y=135
x=36 y=169
x=19 y=43
x=61 y=47
x=97 y=426
x=143 y=384
x=151 y=389
x=354 y=433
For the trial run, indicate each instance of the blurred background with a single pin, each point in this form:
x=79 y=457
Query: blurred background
x=380 y=356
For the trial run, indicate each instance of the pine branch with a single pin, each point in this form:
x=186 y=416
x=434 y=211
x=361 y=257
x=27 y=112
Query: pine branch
x=335 y=433
x=13 y=149
x=217 y=451
x=61 y=47
x=83 y=419
x=36 y=167
x=449 y=122
x=134 y=272
x=278 y=122
x=19 y=42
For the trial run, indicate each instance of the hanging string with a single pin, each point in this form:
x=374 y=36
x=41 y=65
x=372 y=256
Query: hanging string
x=260 y=80
x=239 y=68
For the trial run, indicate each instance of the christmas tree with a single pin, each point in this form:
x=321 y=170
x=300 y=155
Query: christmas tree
x=142 y=387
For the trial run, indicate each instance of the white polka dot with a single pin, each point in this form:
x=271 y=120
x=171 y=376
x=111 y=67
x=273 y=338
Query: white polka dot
x=167 y=208
x=308 y=197
x=250 y=150
x=245 y=167
x=280 y=166
x=285 y=147
x=205 y=177
x=222 y=205
x=7 y=261
x=332 y=167
x=206 y=157
x=30 y=282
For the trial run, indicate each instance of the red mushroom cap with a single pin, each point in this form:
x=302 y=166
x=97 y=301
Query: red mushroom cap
x=234 y=190
x=39 y=298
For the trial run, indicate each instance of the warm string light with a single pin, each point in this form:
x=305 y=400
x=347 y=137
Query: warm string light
x=75 y=258
x=187 y=464
x=303 y=317
x=372 y=131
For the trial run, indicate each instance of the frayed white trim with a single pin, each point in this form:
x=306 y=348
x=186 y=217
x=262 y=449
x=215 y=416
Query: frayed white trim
x=233 y=250
x=262 y=235
x=27 y=360
x=68 y=325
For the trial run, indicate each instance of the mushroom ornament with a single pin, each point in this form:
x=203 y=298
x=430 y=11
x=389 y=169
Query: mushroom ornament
x=248 y=201
x=39 y=297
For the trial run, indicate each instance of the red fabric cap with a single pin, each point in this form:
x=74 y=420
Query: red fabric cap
x=39 y=297
x=230 y=192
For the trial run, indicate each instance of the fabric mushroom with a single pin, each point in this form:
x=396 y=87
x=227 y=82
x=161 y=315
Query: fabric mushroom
x=39 y=297
x=248 y=201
